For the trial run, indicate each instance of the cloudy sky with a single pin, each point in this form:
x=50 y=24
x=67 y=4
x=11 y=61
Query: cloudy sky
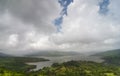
x=59 y=25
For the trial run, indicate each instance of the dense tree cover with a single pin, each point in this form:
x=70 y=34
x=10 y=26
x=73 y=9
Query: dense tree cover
x=111 y=57
x=78 y=68
x=5 y=72
x=112 y=60
x=18 y=64
x=15 y=66
x=71 y=68
x=110 y=67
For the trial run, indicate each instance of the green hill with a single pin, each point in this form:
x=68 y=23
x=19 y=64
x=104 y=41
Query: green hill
x=15 y=66
x=111 y=57
x=71 y=68
x=78 y=68
x=115 y=52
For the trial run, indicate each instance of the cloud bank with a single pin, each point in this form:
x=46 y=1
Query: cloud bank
x=27 y=25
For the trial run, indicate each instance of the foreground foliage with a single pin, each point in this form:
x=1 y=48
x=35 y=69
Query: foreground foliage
x=6 y=72
x=71 y=68
x=78 y=68
x=15 y=66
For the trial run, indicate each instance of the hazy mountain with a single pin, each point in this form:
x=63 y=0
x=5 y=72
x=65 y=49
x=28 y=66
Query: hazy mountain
x=52 y=53
x=111 y=57
x=115 y=52
x=4 y=55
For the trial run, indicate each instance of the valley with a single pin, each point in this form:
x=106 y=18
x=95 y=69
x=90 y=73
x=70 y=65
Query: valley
x=100 y=64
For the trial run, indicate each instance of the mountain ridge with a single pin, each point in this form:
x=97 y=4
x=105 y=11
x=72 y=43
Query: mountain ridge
x=4 y=55
x=53 y=53
x=111 y=57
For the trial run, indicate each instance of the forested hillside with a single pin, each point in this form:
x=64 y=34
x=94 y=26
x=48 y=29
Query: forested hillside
x=111 y=57
x=15 y=66
x=71 y=68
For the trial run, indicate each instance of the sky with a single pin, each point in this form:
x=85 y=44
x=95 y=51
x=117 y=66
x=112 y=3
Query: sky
x=28 y=26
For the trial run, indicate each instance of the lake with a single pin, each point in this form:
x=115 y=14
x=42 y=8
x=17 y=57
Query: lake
x=61 y=59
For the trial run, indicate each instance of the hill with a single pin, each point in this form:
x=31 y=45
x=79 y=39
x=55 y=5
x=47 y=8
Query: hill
x=4 y=55
x=52 y=53
x=111 y=57
x=18 y=64
x=71 y=68
x=78 y=68
x=115 y=52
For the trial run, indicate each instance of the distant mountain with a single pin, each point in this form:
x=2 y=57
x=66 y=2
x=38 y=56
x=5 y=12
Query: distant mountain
x=111 y=57
x=115 y=52
x=53 y=53
x=4 y=55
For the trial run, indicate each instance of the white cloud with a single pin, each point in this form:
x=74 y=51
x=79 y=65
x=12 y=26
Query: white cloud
x=84 y=29
x=12 y=40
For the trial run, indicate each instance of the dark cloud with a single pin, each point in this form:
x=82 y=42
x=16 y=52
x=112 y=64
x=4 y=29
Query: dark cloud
x=3 y=5
x=37 y=12
x=21 y=18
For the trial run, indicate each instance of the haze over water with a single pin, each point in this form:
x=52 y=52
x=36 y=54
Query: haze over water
x=61 y=59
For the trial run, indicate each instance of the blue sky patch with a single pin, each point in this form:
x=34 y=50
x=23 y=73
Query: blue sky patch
x=103 y=7
x=58 y=22
x=64 y=4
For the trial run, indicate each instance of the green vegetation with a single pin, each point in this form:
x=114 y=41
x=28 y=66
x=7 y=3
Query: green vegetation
x=18 y=64
x=15 y=66
x=71 y=68
x=6 y=72
x=109 y=53
x=78 y=68
x=111 y=57
x=112 y=60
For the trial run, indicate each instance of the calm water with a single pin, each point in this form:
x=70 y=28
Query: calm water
x=40 y=65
